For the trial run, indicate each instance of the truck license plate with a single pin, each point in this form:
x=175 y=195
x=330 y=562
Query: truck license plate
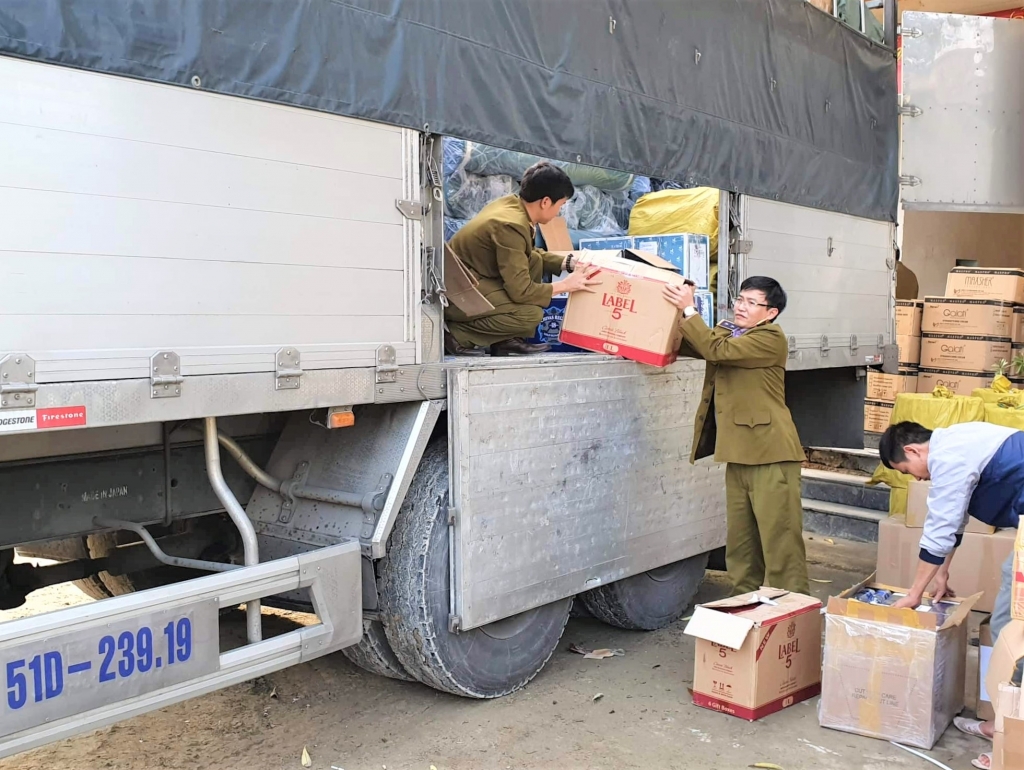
x=79 y=670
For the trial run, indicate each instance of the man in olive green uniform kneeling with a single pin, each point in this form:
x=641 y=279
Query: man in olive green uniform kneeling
x=496 y=247
x=744 y=421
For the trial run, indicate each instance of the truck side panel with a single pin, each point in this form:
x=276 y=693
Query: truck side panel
x=838 y=273
x=149 y=218
x=572 y=474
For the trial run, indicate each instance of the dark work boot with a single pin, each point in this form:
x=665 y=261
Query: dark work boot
x=453 y=348
x=518 y=347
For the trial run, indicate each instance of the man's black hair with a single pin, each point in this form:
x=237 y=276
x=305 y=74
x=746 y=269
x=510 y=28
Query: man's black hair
x=545 y=180
x=893 y=444
x=774 y=294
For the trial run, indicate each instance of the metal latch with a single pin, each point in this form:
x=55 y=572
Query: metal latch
x=742 y=247
x=410 y=209
x=853 y=343
x=910 y=111
x=288 y=371
x=17 y=381
x=906 y=180
x=792 y=347
x=824 y=346
x=165 y=374
x=387 y=364
x=910 y=32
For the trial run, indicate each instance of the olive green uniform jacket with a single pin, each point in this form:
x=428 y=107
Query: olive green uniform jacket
x=743 y=417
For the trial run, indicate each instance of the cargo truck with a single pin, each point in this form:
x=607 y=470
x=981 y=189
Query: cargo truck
x=221 y=368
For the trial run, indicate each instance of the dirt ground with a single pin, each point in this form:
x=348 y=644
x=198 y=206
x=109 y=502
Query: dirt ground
x=351 y=720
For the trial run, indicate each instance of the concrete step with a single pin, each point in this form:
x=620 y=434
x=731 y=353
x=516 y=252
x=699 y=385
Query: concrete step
x=863 y=461
x=844 y=489
x=847 y=522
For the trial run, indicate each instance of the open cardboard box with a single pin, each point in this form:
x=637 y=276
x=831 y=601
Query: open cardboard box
x=893 y=674
x=1008 y=746
x=757 y=653
x=626 y=315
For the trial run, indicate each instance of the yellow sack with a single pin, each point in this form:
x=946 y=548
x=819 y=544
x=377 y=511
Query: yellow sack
x=932 y=411
x=680 y=211
x=1011 y=417
x=993 y=396
x=898 y=484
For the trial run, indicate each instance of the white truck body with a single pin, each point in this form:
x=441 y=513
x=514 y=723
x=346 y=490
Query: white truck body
x=173 y=255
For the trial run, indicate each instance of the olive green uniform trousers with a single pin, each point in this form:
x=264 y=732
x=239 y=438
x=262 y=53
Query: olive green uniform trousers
x=506 y=321
x=765 y=519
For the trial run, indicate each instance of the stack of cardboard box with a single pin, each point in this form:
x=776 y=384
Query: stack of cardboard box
x=969 y=330
x=899 y=540
x=883 y=388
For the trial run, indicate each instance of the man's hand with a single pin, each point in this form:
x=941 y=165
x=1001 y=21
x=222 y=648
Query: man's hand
x=581 y=279
x=908 y=602
x=680 y=296
x=941 y=589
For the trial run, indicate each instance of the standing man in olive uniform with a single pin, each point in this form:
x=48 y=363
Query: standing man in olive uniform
x=496 y=247
x=744 y=421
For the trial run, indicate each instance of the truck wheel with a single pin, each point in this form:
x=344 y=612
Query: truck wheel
x=650 y=600
x=486 y=662
x=71 y=549
x=374 y=653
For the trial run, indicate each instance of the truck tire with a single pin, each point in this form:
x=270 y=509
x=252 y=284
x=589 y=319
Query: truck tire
x=650 y=600
x=71 y=549
x=374 y=653
x=486 y=662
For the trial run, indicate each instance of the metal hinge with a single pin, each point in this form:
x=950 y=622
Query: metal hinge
x=881 y=341
x=742 y=247
x=824 y=348
x=792 y=347
x=910 y=111
x=454 y=623
x=853 y=343
x=17 y=381
x=906 y=180
x=452 y=513
x=287 y=492
x=410 y=209
x=288 y=369
x=387 y=364
x=910 y=32
x=165 y=375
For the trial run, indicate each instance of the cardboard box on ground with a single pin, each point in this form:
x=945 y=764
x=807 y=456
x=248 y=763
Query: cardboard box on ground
x=976 y=568
x=877 y=415
x=963 y=353
x=756 y=654
x=958 y=383
x=988 y=283
x=978 y=317
x=885 y=387
x=909 y=350
x=909 y=313
x=1008 y=746
x=917 y=509
x=893 y=674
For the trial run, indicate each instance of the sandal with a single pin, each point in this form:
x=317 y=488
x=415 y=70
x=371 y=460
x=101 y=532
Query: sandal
x=984 y=762
x=970 y=727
